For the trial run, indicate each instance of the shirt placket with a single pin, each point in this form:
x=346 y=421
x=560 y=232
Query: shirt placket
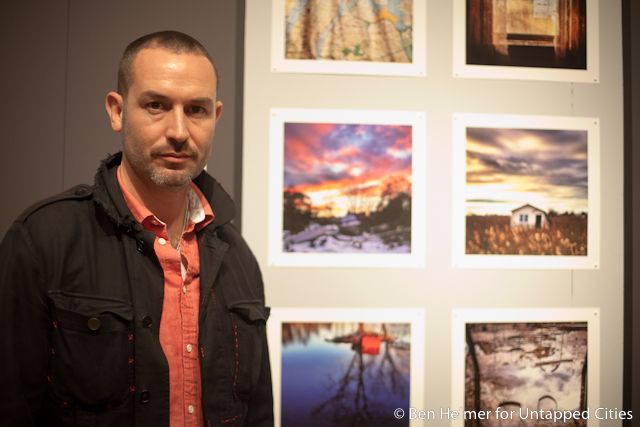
x=188 y=301
x=171 y=263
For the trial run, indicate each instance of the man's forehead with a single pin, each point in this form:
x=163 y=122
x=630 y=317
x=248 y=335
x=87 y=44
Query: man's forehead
x=160 y=56
x=163 y=64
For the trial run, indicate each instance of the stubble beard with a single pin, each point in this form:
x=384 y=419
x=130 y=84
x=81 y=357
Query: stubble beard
x=162 y=176
x=170 y=178
x=158 y=175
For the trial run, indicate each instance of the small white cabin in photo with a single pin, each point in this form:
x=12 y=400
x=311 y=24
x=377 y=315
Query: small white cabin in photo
x=528 y=216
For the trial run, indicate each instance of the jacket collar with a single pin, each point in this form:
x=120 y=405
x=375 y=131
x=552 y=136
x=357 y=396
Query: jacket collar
x=108 y=195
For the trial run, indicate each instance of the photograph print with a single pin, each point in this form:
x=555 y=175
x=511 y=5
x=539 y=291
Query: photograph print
x=346 y=187
x=338 y=367
x=528 y=363
x=526 y=39
x=527 y=192
x=349 y=36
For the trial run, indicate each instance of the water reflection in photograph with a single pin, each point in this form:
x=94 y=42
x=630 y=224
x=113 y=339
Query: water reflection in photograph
x=343 y=374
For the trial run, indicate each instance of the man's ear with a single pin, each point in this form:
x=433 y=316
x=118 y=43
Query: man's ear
x=114 y=103
x=218 y=110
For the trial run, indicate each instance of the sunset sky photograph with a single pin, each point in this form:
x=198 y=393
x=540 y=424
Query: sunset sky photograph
x=346 y=168
x=508 y=168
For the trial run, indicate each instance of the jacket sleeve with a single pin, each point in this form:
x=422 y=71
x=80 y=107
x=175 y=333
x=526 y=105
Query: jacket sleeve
x=260 y=413
x=24 y=330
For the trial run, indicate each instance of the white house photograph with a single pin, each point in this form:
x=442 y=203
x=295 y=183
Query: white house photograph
x=526 y=191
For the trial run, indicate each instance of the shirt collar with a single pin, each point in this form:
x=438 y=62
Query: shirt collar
x=199 y=209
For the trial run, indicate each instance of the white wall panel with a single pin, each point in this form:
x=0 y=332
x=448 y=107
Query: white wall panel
x=438 y=287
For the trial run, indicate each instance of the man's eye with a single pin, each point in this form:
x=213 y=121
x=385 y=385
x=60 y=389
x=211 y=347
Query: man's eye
x=154 y=107
x=196 y=110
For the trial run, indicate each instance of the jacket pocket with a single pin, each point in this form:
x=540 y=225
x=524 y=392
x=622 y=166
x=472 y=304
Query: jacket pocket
x=92 y=349
x=248 y=322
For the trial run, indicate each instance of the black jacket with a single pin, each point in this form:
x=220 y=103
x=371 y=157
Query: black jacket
x=81 y=294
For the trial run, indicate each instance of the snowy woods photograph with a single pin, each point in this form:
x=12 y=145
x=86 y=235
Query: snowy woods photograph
x=347 y=187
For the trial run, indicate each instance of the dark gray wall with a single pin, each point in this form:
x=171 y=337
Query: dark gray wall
x=631 y=43
x=59 y=59
x=33 y=48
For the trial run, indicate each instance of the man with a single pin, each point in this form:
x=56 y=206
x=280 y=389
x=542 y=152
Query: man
x=135 y=301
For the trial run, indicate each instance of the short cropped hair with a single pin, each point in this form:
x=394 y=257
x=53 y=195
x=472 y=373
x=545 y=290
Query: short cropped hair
x=173 y=41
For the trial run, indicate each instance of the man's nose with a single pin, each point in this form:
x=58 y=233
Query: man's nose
x=177 y=129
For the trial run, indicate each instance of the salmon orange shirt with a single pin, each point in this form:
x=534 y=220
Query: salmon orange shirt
x=179 y=322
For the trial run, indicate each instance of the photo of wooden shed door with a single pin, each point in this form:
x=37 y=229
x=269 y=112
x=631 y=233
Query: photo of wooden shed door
x=538 y=221
x=528 y=33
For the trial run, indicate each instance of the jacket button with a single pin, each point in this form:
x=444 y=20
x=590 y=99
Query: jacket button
x=94 y=324
x=147 y=321
x=145 y=396
x=140 y=246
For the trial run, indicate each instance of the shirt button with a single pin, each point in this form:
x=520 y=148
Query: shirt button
x=190 y=409
x=189 y=348
x=162 y=240
x=184 y=289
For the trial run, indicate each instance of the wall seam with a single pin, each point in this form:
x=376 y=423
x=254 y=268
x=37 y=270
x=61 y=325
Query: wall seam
x=239 y=113
x=65 y=97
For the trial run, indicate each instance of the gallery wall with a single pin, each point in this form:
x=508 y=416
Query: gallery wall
x=62 y=59
x=59 y=61
x=438 y=287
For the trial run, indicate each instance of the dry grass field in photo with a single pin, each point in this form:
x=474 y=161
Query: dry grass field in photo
x=492 y=234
